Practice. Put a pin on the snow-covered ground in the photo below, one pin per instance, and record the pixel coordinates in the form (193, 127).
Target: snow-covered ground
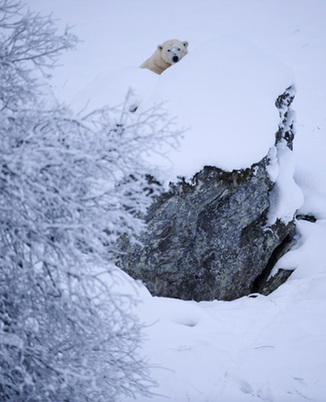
(242, 55)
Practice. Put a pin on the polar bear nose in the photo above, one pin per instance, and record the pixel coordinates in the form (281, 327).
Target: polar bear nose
(175, 59)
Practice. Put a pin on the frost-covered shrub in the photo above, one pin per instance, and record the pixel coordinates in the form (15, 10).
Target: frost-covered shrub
(69, 187)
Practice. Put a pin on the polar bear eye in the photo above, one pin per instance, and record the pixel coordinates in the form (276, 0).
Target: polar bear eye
(168, 50)
(179, 49)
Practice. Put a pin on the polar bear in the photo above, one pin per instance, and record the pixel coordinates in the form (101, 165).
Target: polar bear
(167, 54)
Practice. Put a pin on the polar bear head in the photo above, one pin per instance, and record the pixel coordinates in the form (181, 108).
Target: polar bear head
(173, 50)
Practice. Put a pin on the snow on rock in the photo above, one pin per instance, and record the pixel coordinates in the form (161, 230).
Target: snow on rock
(286, 197)
(224, 92)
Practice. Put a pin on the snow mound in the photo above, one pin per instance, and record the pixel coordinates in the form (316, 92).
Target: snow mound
(286, 196)
(222, 93)
(225, 93)
(111, 89)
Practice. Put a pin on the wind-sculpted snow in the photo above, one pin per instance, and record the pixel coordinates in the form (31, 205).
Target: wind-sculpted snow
(221, 96)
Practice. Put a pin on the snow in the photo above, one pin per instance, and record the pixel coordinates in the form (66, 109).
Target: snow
(240, 78)
(310, 253)
(224, 91)
(112, 88)
(286, 196)
(242, 55)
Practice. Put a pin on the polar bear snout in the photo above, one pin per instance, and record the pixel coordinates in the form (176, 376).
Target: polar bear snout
(175, 59)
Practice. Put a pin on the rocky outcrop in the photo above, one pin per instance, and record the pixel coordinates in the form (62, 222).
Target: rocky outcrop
(209, 238)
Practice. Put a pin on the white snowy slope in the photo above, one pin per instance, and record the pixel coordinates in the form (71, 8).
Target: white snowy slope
(242, 55)
(226, 108)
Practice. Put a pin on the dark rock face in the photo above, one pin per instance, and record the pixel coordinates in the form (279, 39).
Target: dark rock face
(208, 239)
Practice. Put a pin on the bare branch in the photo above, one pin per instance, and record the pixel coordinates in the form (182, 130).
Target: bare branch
(71, 186)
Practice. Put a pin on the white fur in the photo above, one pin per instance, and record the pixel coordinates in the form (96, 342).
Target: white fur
(167, 54)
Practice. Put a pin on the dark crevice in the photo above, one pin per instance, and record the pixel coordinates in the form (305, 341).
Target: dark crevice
(309, 218)
(262, 284)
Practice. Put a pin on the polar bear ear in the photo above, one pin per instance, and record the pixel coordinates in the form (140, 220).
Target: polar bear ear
(160, 47)
(185, 43)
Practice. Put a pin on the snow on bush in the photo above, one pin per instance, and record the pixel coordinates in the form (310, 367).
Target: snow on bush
(70, 186)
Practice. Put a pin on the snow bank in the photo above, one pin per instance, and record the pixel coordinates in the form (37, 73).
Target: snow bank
(313, 184)
(112, 88)
(309, 255)
(286, 197)
(251, 349)
(222, 94)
